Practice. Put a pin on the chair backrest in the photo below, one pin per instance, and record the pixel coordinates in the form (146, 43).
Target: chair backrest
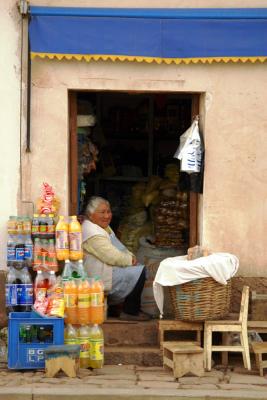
(243, 315)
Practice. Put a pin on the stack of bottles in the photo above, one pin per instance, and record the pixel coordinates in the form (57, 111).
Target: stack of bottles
(43, 235)
(69, 239)
(19, 287)
(19, 242)
(84, 306)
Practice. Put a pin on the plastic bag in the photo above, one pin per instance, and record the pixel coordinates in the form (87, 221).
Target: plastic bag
(190, 149)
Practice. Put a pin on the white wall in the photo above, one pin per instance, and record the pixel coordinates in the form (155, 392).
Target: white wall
(9, 116)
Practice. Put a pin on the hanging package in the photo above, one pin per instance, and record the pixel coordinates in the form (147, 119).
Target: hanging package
(189, 151)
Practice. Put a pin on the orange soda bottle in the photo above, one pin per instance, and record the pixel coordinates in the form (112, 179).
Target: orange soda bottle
(97, 302)
(70, 300)
(83, 303)
(62, 241)
(75, 239)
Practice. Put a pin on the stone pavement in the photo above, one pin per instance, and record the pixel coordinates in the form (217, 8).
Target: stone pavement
(132, 382)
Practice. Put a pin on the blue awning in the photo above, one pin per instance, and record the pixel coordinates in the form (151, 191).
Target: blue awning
(160, 35)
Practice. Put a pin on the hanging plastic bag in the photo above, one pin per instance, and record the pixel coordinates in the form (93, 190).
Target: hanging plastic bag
(189, 151)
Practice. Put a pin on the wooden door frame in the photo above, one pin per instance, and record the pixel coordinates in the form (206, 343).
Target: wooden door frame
(193, 197)
(73, 167)
(73, 154)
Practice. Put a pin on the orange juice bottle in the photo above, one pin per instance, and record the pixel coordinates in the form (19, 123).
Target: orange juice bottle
(75, 238)
(62, 242)
(83, 304)
(70, 300)
(97, 302)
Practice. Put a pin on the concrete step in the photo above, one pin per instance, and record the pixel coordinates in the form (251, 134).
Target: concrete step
(121, 333)
(133, 355)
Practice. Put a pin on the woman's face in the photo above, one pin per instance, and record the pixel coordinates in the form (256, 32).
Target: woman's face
(102, 215)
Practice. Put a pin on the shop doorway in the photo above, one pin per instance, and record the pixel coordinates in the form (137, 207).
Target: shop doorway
(133, 136)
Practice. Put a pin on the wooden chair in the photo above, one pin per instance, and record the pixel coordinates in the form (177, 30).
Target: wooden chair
(239, 326)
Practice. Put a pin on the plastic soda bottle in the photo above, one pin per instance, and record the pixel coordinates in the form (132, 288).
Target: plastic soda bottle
(83, 340)
(50, 226)
(28, 253)
(35, 226)
(40, 286)
(52, 258)
(97, 302)
(37, 259)
(83, 302)
(11, 290)
(70, 335)
(75, 238)
(96, 345)
(70, 300)
(62, 242)
(11, 250)
(24, 289)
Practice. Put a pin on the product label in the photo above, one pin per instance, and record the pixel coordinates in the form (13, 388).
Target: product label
(11, 254)
(75, 241)
(70, 300)
(28, 251)
(51, 229)
(96, 299)
(20, 253)
(25, 294)
(35, 229)
(96, 349)
(83, 301)
(62, 242)
(40, 294)
(71, 341)
(84, 344)
(42, 228)
(11, 294)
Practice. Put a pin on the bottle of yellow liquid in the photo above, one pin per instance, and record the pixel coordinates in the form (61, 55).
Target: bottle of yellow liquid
(70, 335)
(83, 340)
(62, 240)
(96, 346)
(75, 239)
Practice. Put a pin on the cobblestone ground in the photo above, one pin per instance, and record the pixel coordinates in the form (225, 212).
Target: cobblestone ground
(133, 377)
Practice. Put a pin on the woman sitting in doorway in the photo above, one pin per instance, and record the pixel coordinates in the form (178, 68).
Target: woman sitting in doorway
(106, 257)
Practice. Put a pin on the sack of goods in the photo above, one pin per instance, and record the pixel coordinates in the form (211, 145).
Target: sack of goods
(170, 220)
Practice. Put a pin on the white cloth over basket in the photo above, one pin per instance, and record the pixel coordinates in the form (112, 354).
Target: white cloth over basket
(177, 270)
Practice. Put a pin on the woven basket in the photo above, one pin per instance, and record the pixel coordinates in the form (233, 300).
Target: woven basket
(200, 300)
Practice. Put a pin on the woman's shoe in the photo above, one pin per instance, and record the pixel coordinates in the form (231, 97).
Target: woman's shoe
(141, 316)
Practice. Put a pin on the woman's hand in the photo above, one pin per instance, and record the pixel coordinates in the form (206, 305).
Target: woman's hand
(134, 261)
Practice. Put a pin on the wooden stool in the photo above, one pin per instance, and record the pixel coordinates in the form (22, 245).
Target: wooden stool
(259, 349)
(183, 358)
(62, 357)
(173, 325)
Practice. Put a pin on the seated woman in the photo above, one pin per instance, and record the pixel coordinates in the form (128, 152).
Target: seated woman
(106, 257)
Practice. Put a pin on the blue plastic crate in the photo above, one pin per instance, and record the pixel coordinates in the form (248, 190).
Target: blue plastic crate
(28, 335)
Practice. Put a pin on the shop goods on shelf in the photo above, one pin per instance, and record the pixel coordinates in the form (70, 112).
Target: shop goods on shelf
(29, 335)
